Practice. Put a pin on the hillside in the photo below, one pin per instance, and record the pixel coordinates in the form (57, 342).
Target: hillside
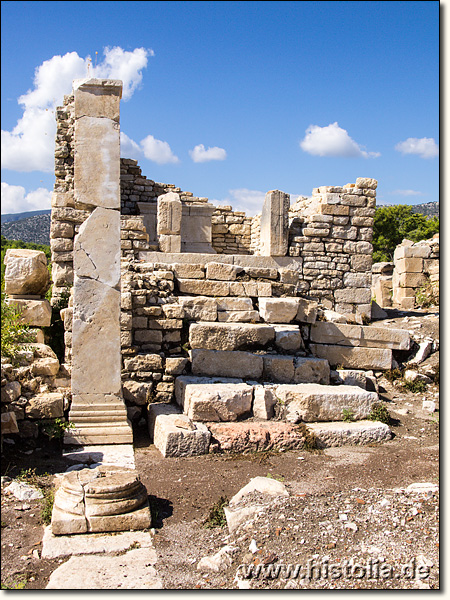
(9, 217)
(429, 209)
(35, 229)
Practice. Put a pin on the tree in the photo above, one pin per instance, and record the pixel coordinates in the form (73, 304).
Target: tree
(392, 224)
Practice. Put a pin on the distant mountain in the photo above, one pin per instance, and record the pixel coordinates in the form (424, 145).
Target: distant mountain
(429, 209)
(35, 229)
(23, 215)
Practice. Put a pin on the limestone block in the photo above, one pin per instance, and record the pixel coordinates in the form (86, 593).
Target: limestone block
(97, 249)
(278, 368)
(230, 336)
(382, 291)
(275, 224)
(96, 338)
(45, 406)
(288, 337)
(97, 162)
(189, 271)
(357, 280)
(37, 313)
(11, 391)
(329, 435)
(365, 182)
(169, 243)
(97, 98)
(307, 310)
(409, 280)
(311, 402)
(419, 251)
(198, 308)
(383, 268)
(238, 316)
(174, 434)
(311, 370)
(278, 310)
(144, 362)
(354, 377)
(409, 265)
(264, 400)
(354, 357)
(137, 392)
(359, 335)
(26, 272)
(47, 367)
(204, 287)
(215, 401)
(9, 423)
(217, 363)
(353, 295)
(169, 215)
(362, 263)
(222, 272)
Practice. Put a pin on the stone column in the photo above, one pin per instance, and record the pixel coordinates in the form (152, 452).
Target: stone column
(275, 224)
(169, 222)
(98, 411)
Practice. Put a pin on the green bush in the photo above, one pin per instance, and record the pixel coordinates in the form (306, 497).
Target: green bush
(14, 332)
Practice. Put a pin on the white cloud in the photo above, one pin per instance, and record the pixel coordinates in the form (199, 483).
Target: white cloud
(250, 201)
(15, 199)
(406, 193)
(201, 154)
(30, 145)
(128, 147)
(423, 147)
(158, 151)
(332, 140)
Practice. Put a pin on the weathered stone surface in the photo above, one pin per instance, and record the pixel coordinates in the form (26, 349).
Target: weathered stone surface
(188, 271)
(97, 249)
(278, 310)
(354, 357)
(177, 435)
(330, 435)
(310, 402)
(97, 98)
(275, 224)
(137, 392)
(144, 362)
(354, 377)
(238, 316)
(9, 423)
(176, 365)
(213, 399)
(222, 272)
(96, 338)
(416, 251)
(234, 304)
(288, 337)
(198, 308)
(36, 313)
(353, 295)
(264, 400)
(48, 367)
(11, 391)
(45, 406)
(169, 215)
(409, 265)
(311, 370)
(358, 335)
(204, 287)
(219, 363)
(278, 368)
(230, 336)
(307, 310)
(97, 162)
(26, 272)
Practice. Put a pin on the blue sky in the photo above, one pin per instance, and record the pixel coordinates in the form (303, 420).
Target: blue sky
(230, 99)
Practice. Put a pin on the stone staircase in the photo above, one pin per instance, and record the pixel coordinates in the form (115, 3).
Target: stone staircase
(254, 388)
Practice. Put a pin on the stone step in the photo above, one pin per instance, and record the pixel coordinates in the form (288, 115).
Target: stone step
(258, 436)
(83, 408)
(267, 367)
(91, 439)
(81, 419)
(230, 336)
(354, 357)
(359, 335)
(105, 432)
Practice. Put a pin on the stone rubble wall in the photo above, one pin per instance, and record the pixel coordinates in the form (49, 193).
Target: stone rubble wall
(231, 231)
(415, 266)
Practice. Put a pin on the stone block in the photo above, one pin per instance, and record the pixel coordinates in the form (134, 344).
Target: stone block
(189, 271)
(360, 335)
(311, 402)
(11, 391)
(329, 435)
(307, 310)
(47, 367)
(234, 304)
(222, 272)
(197, 308)
(264, 400)
(144, 362)
(288, 338)
(419, 251)
(26, 272)
(409, 280)
(204, 287)
(175, 434)
(216, 363)
(169, 215)
(45, 406)
(137, 392)
(169, 243)
(275, 224)
(278, 368)
(230, 336)
(36, 313)
(311, 370)
(278, 310)
(98, 98)
(238, 316)
(97, 162)
(353, 295)
(354, 357)
(409, 265)
(9, 423)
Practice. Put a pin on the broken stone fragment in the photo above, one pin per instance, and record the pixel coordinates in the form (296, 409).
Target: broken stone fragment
(26, 272)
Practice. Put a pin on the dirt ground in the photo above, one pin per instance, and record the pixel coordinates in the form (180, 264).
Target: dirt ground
(362, 482)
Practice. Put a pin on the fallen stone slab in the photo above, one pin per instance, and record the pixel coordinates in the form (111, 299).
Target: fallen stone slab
(221, 363)
(251, 499)
(311, 402)
(120, 455)
(106, 498)
(328, 435)
(256, 436)
(182, 383)
(359, 335)
(23, 491)
(26, 272)
(230, 336)
(134, 570)
(36, 313)
(59, 546)
(354, 357)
